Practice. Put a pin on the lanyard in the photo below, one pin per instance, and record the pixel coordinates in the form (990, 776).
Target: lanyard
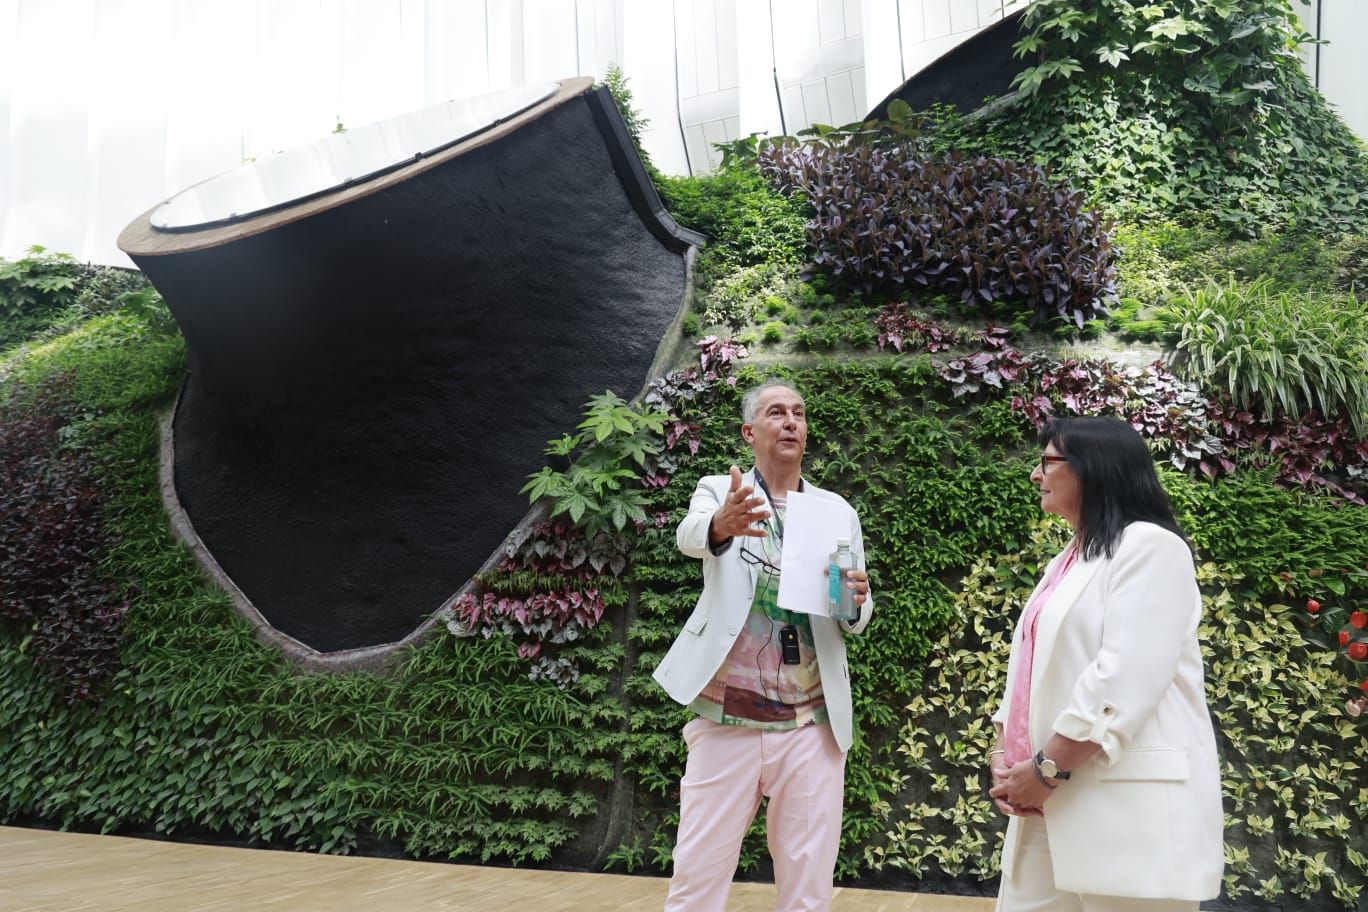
(778, 520)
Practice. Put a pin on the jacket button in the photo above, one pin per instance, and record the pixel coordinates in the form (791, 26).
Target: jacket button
(731, 631)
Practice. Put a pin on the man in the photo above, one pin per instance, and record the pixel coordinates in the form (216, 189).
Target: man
(770, 688)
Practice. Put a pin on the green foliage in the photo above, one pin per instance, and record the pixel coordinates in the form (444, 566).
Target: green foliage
(616, 82)
(932, 485)
(851, 327)
(734, 299)
(600, 491)
(1279, 541)
(32, 290)
(458, 754)
(204, 733)
(1276, 351)
(1161, 260)
(1200, 112)
(749, 223)
(1293, 799)
(146, 304)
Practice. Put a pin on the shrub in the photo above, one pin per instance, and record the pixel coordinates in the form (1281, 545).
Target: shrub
(1192, 430)
(986, 229)
(1199, 111)
(735, 299)
(773, 332)
(616, 83)
(32, 290)
(749, 224)
(50, 545)
(601, 490)
(1275, 351)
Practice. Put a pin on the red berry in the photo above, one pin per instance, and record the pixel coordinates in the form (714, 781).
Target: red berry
(1363, 685)
(1312, 605)
(1344, 638)
(1358, 651)
(1358, 619)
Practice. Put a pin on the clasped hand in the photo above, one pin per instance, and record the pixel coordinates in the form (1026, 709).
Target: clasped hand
(1016, 790)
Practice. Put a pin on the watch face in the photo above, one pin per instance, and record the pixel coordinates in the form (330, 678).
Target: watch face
(1048, 769)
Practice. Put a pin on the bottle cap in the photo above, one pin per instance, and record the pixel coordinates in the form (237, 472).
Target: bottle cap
(842, 543)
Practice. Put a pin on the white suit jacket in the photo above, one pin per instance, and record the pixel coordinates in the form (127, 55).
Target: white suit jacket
(1117, 662)
(728, 589)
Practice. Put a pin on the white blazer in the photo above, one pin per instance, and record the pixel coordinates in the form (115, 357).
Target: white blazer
(1117, 663)
(728, 590)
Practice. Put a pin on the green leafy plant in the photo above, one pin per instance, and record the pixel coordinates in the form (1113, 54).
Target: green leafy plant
(616, 82)
(601, 490)
(1199, 111)
(146, 305)
(1341, 614)
(748, 222)
(1276, 351)
(32, 290)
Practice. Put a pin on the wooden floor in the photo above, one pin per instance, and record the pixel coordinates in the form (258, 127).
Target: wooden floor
(43, 871)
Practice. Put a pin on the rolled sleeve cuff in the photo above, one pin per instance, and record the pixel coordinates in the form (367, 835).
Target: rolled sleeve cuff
(1097, 728)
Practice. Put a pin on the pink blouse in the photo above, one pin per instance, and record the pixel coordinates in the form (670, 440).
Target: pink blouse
(1017, 736)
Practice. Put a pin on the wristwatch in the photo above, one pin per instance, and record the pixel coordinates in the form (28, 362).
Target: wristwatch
(1048, 768)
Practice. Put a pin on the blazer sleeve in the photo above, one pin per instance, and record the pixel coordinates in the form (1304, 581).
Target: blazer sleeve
(692, 534)
(1148, 617)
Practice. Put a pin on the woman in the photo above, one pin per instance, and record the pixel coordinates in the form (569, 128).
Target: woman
(1106, 758)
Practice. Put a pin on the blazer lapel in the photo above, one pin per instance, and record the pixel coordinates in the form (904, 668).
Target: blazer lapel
(1053, 614)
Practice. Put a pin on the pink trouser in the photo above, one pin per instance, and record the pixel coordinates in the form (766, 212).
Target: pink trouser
(802, 771)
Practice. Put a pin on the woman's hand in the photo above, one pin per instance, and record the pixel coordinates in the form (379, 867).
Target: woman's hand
(1016, 790)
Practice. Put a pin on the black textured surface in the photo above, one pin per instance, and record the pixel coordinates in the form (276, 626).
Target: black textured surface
(370, 386)
(982, 67)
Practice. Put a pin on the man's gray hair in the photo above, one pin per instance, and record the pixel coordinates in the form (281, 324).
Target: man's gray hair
(751, 401)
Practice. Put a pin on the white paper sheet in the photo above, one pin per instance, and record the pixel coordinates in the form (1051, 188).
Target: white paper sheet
(811, 526)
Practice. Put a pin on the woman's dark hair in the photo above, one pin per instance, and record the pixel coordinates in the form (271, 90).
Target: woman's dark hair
(1116, 479)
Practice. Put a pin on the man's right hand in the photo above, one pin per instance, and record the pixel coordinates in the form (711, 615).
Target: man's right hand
(738, 513)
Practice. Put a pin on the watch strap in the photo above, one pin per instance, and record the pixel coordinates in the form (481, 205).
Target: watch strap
(1059, 774)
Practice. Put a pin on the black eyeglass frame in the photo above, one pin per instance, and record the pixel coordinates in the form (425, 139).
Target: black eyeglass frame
(759, 560)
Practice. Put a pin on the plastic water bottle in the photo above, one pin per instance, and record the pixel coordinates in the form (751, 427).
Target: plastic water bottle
(840, 597)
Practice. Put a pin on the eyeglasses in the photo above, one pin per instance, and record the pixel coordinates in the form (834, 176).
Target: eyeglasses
(758, 560)
(1046, 459)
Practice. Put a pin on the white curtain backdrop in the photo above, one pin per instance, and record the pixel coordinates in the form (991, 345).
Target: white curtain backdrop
(110, 106)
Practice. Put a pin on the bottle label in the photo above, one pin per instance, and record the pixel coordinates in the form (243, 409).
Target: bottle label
(833, 587)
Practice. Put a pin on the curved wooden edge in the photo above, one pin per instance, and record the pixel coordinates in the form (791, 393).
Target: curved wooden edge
(386, 656)
(380, 658)
(140, 238)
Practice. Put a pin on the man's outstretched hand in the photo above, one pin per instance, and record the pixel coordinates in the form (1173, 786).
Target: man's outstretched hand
(738, 513)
